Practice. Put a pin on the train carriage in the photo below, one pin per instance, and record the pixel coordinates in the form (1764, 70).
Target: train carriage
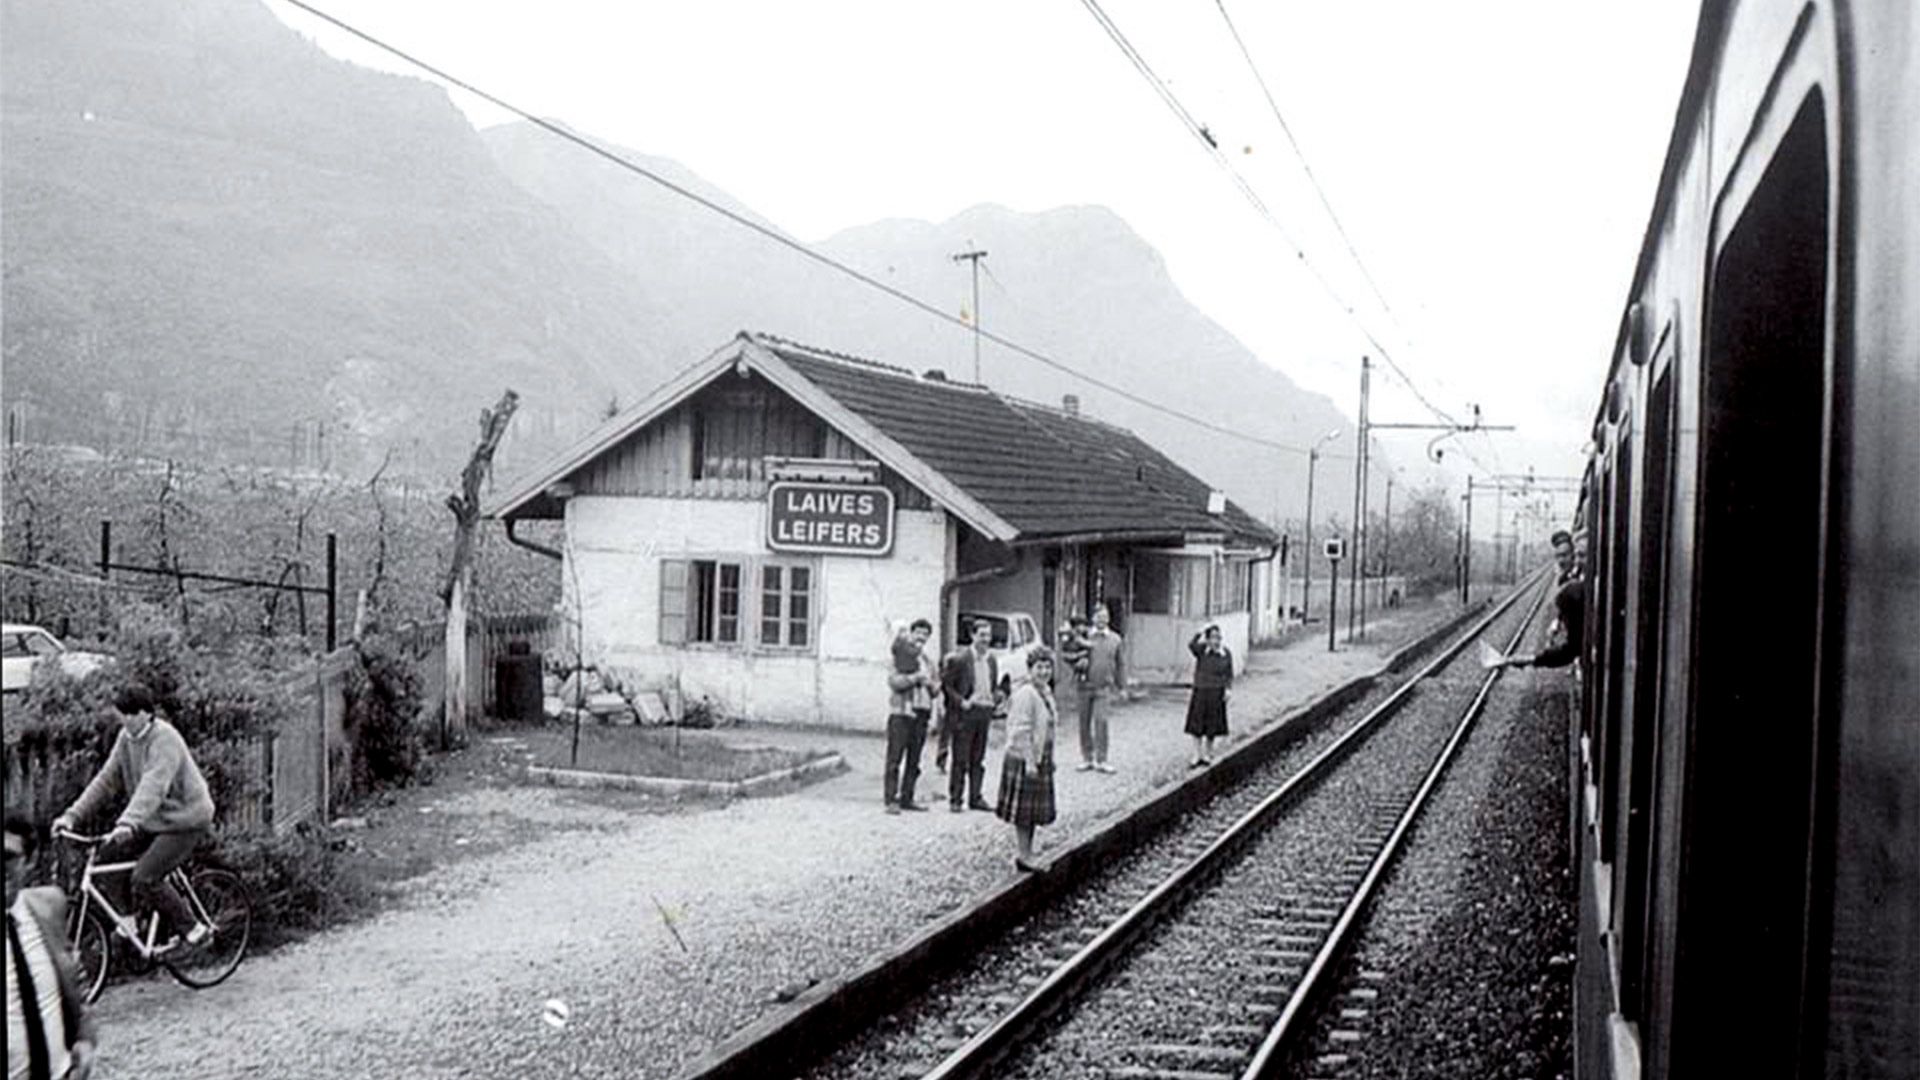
(1747, 753)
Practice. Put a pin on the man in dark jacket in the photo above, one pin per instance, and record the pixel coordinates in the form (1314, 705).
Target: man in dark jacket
(969, 680)
(1567, 637)
(50, 1032)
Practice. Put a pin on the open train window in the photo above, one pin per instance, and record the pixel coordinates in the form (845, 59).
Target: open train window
(1753, 716)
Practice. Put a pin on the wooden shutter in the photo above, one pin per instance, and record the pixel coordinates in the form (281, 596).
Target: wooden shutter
(673, 601)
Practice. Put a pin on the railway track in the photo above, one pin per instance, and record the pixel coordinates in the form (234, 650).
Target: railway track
(1267, 881)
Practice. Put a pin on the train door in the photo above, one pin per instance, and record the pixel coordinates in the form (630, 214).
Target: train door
(1740, 908)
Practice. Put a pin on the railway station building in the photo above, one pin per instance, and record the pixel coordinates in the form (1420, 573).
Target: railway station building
(755, 529)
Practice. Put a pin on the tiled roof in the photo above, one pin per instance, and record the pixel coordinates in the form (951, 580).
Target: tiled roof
(1046, 471)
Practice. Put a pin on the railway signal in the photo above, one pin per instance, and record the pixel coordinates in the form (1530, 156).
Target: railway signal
(1336, 550)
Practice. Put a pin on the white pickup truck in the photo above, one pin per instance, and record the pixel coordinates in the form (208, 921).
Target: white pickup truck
(1014, 636)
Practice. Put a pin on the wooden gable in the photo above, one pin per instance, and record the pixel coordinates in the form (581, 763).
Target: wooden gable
(715, 444)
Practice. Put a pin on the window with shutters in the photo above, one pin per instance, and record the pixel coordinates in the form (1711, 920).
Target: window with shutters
(713, 601)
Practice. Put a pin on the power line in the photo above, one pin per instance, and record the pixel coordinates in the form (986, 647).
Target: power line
(789, 242)
(1212, 149)
(1325, 204)
(1301, 156)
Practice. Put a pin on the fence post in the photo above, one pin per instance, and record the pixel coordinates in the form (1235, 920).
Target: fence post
(332, 588)
(323, 799)
(106, 571)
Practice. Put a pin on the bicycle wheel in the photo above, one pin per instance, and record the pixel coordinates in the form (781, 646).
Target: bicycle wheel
(92, 950)
(219, 899)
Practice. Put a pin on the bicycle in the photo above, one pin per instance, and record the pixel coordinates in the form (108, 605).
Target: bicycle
(217, 898)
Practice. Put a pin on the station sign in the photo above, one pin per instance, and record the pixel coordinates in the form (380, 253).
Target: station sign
(1336, 548)
(831, 519)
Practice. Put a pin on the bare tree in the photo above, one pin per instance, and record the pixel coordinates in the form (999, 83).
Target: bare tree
(459, 582)
(366, 616)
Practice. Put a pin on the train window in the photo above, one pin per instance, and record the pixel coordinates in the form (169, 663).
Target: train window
(1611, 680)
(1752, 720)
(1642, 739)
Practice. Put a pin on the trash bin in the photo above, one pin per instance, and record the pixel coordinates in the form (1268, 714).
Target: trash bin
(517, 685)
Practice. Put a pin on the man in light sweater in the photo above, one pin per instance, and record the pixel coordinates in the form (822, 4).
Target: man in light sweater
(168, 812)
(1104, 679)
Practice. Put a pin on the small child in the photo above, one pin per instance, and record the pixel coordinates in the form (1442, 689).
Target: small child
(906, 660)
(1073, 651)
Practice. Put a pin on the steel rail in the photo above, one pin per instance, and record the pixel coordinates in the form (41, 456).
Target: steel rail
(979, 1054)
(1268, 1058)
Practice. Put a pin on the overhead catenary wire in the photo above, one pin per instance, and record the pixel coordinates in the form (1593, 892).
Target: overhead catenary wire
(1305, 167)
(1339, 227)
(1211, 147)
(782, 239)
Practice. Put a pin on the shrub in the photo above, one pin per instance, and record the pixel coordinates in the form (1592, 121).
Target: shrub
(383, 706)
(704, 713)
(220, 705)
(296, 880)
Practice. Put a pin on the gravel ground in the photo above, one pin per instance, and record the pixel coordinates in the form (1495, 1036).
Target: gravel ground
(662, 934)
(1473, 938)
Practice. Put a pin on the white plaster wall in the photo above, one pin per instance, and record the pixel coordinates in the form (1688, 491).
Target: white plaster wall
(1021, 590)
(1157, 644)
(615, 545)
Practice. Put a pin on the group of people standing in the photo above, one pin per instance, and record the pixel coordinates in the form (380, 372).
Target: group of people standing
(972, 688)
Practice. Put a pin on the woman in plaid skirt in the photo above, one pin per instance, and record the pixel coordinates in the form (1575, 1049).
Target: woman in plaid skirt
(1026, 774)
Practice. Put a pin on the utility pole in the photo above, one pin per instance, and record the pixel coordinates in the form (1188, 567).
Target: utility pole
(1313, 458)
(1499, 546)
(974, 257)
(1434, 452)
(1359, 490)
(1386, 536)
(1466, 550)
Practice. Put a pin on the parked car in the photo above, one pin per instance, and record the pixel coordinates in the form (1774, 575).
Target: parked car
(23, 646)
(1014, 636)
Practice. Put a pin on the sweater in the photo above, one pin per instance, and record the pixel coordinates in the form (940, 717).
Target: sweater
(166, 792)
(1030, 724)
(1103, 662)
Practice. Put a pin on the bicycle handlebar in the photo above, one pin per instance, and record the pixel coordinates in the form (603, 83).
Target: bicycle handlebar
(82, 838)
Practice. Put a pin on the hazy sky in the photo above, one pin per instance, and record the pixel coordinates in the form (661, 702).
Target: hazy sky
(1493, 161)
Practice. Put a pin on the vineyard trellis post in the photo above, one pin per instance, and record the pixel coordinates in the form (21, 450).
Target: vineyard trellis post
(181, 577)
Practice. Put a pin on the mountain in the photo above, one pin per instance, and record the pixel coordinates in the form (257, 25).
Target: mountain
(1074, 284)
(221, 242)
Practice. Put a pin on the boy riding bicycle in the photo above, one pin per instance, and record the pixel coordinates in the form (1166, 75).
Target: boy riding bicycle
(168, 812)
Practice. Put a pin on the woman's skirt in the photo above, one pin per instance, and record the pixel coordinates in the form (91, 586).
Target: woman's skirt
(1025, 800)
(1207, 711)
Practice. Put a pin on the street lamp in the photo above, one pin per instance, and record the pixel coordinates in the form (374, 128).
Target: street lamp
(1313, 458)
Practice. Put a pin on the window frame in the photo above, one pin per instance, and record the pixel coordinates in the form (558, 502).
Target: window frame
(681, 596)
(785, 618)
